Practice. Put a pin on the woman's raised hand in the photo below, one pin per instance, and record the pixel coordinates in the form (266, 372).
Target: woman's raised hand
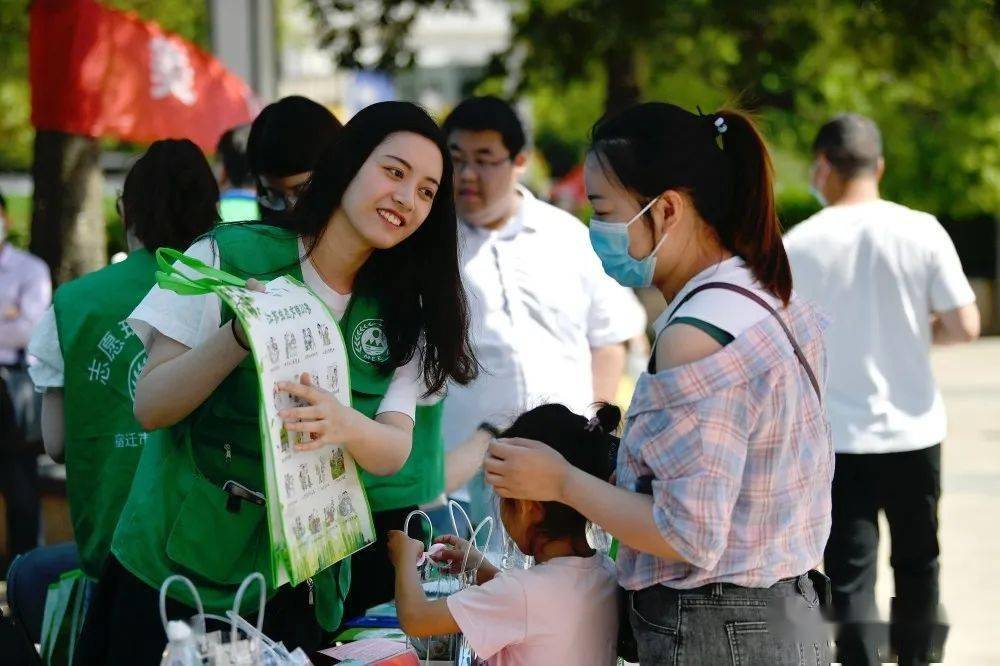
(325, 420)
(525, 469)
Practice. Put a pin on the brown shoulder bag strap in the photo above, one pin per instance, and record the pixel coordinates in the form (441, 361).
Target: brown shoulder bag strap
(767, 306)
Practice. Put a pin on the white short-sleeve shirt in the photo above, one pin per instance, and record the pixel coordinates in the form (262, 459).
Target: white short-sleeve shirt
(190, 320)
(539, 300)
(730, 311)
(879, 270)
(47, 369)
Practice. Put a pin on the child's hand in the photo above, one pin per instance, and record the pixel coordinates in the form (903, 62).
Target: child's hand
(404, 551)
(325, 419)
(455, 553)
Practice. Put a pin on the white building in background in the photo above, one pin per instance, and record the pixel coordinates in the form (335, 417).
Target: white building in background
(451, 49)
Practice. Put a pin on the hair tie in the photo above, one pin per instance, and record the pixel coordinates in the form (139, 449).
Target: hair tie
(720, 125)
(593, 424)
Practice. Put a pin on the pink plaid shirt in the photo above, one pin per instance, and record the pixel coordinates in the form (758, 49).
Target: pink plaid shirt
(739, 447)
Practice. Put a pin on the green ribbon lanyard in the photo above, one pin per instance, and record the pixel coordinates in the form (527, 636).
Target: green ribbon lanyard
(170, 277)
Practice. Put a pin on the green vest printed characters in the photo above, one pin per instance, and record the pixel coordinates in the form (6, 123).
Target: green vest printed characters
(102, 358)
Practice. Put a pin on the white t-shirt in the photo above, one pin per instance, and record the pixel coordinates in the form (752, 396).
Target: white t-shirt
(564, 611)
(48, 369)
(538, 302)
(190, 320)
(727, 310)
(879, 270)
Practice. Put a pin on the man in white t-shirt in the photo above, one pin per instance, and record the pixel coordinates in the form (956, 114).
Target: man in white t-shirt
(892, 283)
(547, 324)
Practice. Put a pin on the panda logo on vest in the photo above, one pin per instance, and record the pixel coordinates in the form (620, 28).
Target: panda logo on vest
(368, 341)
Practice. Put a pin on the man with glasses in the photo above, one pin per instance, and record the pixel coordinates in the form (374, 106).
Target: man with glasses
(547, 324)
(285, 143)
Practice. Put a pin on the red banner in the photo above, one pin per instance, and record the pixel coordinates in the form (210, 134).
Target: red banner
(96, 71)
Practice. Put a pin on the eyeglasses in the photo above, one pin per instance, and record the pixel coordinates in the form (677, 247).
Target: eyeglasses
(279, 200)
(479, 164)
(120, 204)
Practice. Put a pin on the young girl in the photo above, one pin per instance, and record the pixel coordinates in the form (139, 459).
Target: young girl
(375, 238)
(564, 609)
(722, 504)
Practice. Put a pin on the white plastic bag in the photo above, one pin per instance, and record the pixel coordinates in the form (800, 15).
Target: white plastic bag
(253, 649)
(440, 582)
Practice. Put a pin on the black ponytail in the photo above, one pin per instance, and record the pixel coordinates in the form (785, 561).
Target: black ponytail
(720, 160)
(588, 445)
(755, 231)
(170, 195)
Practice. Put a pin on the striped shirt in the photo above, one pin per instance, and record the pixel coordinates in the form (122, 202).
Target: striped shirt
(740, 451)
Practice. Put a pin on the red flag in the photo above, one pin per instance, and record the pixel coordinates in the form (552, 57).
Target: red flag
(96, 71)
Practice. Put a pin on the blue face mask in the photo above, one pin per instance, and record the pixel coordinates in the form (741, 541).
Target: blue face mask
(610, 241)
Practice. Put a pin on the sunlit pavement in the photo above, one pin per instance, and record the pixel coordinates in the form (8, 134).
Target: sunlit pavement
(969, 377)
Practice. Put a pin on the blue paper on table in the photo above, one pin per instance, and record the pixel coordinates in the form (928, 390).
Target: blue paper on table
(366, 622)
(381, 616)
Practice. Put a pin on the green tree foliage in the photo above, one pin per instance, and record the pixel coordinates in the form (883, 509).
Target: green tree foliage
(928, 72)
(188, 19)
(371, 33)
(15, 123)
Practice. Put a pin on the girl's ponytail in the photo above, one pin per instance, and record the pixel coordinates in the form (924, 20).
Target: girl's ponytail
(756, 231)
(602, 445)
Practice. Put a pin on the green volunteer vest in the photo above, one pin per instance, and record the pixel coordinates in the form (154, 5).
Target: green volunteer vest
(422, 477)
(102, 358)
(421, 480)
(176, 520)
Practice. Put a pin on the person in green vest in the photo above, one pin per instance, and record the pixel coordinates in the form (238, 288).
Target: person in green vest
(237, 194)
(374, 237)
(87, 358)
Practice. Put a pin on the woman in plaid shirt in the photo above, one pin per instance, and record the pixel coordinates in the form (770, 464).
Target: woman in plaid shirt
(722, 496)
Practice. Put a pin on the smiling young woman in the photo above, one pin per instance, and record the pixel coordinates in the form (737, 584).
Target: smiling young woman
(375, 236)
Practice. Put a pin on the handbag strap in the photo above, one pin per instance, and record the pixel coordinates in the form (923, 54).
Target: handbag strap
(767, 306)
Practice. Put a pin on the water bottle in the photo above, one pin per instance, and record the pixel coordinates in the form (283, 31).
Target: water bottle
(181, 650)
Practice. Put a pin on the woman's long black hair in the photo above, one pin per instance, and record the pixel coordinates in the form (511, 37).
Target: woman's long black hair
(417, 282)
